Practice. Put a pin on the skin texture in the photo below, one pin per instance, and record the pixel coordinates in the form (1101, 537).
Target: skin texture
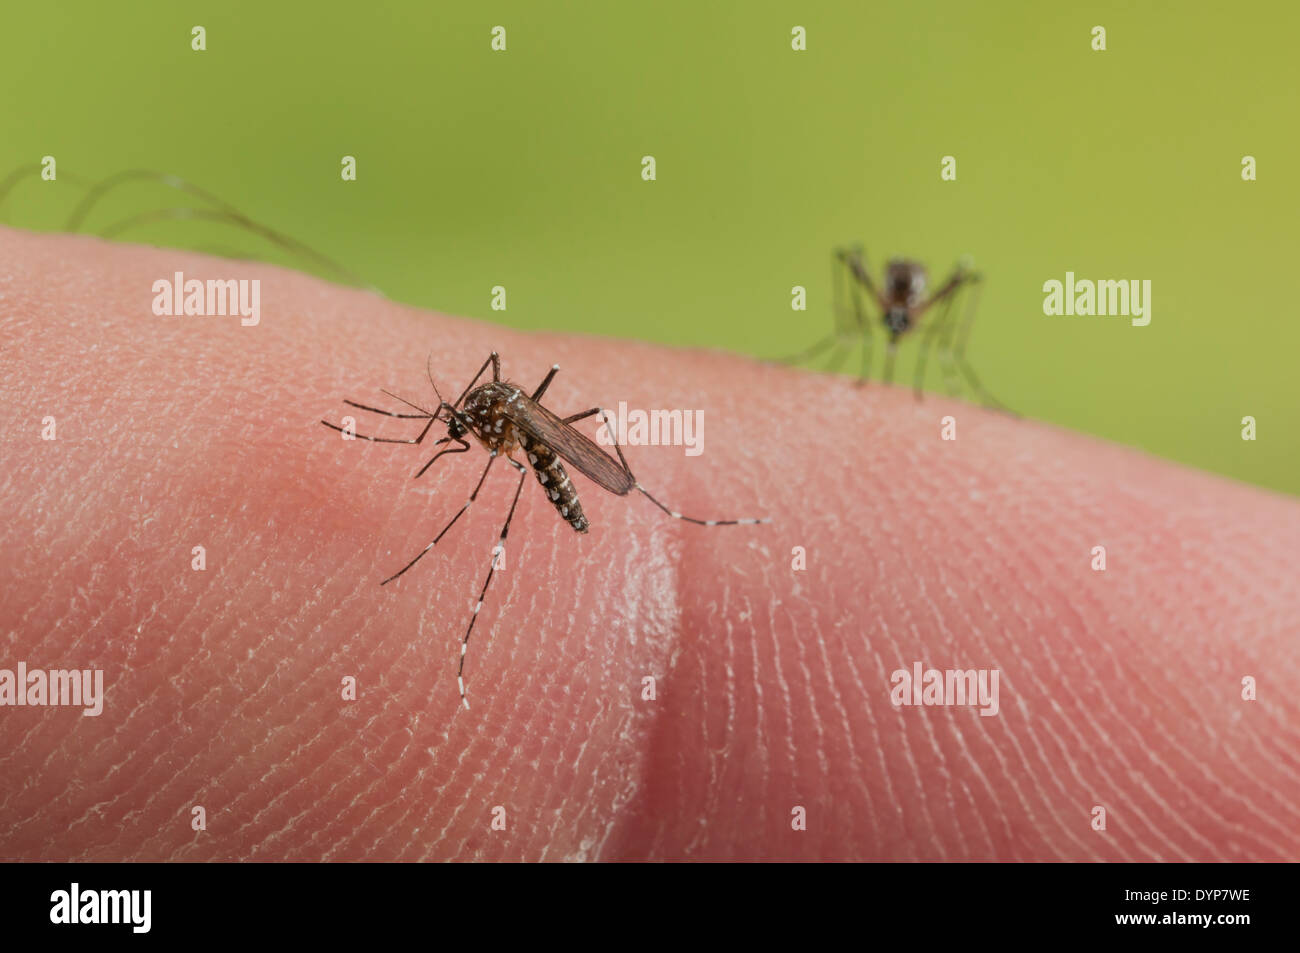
(1119, 688)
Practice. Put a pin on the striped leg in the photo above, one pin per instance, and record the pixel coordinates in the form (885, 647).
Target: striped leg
(492, 569)
(493, 361)
(387, 413)
(646, 493)
(546, 382)
(459, 513)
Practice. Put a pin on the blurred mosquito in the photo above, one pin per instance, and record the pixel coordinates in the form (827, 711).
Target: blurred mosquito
(504, 418)
(902, 302)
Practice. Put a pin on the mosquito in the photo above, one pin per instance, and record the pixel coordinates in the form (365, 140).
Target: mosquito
(504, 418)
(902, 302)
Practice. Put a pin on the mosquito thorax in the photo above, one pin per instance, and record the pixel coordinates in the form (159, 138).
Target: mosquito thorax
(904, 282)
(485, 408)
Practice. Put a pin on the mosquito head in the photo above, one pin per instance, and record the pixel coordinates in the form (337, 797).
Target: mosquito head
(904, 282)
(448, 415)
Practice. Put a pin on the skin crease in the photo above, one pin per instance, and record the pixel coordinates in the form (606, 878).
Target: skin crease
(1119, 688)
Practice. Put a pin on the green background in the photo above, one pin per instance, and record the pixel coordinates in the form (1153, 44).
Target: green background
(522, 169)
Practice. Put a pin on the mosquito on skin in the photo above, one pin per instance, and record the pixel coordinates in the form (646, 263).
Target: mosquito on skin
(504, 418)
(902, 302)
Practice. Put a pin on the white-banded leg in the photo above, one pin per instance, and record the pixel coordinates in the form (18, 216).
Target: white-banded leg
(494, 360)
(464, 446)
(423, 415)
(546, 382)
(646, 493)
(492, 456)
(492, 569)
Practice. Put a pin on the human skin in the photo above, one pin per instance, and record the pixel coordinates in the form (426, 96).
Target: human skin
(1120, 689)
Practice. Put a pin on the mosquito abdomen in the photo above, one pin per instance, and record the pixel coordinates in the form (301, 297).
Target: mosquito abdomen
(555, 481)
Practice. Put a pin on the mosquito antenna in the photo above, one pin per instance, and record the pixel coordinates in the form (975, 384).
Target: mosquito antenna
(428, 369)
(406, 402)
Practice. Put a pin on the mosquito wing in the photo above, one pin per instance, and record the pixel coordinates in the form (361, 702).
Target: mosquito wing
(570, 444)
